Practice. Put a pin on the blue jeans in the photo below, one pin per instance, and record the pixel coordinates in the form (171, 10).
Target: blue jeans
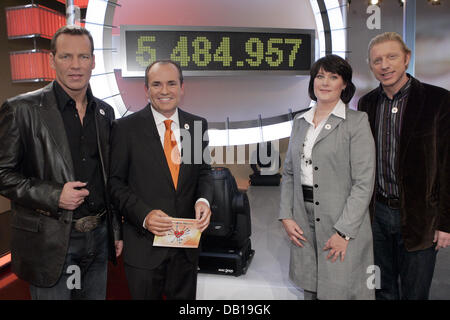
(88, 253)
(414, 269)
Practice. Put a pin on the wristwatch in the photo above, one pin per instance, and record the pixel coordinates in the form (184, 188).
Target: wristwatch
(343, 235)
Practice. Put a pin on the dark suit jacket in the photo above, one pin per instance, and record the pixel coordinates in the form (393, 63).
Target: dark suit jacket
(423, 162)
(35, 163)
(141, 181)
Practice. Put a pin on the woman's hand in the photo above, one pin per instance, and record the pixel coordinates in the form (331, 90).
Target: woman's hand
(294, 232)
(337, 246)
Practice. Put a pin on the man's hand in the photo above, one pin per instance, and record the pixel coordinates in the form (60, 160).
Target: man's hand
(203, 215)
(337, 246)
(119, 246)
(295, 233)
(442, 239)
(71, 198)
(158, 222)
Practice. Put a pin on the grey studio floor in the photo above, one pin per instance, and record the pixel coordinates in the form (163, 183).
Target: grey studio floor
(267, 276)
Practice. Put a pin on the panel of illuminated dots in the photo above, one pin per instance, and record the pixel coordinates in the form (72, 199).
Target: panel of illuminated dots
(221, 50)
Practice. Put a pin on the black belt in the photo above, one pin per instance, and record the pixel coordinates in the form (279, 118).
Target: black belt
(89, 223)
(391, 202)
(308, 194)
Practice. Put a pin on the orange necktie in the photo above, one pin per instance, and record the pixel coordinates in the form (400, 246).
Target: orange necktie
(171, 151)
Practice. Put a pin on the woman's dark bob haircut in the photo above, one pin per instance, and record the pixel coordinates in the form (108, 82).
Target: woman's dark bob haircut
(334, 64)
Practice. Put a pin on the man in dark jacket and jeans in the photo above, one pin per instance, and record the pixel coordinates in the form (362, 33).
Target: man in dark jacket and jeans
(410, 122)
(54, 161)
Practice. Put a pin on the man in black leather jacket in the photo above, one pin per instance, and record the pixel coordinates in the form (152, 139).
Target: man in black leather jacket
(54, 161)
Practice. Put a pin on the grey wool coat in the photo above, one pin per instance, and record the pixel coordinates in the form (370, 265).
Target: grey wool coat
(344, 173)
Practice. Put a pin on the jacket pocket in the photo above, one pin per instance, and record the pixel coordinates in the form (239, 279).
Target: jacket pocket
(25, 222)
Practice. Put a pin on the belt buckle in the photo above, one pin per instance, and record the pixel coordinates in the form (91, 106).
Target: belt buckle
(393, 203)
(86, 224)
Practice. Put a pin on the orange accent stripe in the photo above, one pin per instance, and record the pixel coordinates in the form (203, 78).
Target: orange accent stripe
(7, 280)
(5, 260)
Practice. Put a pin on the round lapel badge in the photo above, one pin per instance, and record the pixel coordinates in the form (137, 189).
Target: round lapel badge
(394, 110)
(102, 112)
(186, 126)
(328, 126)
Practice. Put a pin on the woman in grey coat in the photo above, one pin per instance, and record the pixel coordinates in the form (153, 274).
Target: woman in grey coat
(328, 179)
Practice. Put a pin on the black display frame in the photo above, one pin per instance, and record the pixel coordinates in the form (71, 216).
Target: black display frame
(308, 35)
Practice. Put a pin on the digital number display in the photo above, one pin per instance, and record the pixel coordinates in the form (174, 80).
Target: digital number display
(217, 52)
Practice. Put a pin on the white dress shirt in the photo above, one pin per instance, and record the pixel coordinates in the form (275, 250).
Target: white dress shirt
(310, 139)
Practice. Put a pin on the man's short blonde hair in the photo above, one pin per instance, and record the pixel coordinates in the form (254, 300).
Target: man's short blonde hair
(387, 36)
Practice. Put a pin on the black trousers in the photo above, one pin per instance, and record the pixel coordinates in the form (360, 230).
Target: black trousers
(414, 269)
(174, 279)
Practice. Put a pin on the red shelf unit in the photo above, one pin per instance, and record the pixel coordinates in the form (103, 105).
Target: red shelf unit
(33, 21)
(31, 66)
(79, 3)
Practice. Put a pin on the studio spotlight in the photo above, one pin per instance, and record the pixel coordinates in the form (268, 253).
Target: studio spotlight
(374, 2)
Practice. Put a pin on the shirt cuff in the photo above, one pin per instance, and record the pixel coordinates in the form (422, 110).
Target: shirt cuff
(203, 200)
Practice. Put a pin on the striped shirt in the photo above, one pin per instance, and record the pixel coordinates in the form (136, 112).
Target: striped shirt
(389, 121)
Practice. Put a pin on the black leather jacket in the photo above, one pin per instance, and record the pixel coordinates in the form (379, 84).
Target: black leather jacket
(35, 163)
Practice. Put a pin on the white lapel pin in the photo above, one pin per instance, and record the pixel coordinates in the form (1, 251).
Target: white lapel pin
(102, 112)
(394, 110)
(328, 126)
(186, 126)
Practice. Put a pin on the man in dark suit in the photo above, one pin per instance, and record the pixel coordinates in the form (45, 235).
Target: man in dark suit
(149, 185)
(410, 122)
(54, 159)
